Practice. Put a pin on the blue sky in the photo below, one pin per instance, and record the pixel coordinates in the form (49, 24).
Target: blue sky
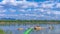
(31, 0)
(30, 10)
(1, 0)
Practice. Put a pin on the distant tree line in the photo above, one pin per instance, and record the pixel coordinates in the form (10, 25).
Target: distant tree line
(31, 21)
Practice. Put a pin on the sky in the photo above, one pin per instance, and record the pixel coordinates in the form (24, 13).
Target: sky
(30, 9)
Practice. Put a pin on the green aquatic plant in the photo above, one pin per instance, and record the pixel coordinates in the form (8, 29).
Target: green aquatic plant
(2, 32)
(10, 32)
(28, 31)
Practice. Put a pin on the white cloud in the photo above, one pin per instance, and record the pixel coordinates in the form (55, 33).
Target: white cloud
(12, 15)
(33, 4)
(30, 14)
(4, 2)
(44, 7)
(22, 10)
(58, 5)
(9, 15)
(41, 10)
(48, 12)
(36, 15)
(56, 12)
(41, 15)
(2, 10)
(1, 6)
(12, 1)
(47, 5)
(2, 15)
(12, 10)
(7, 1)
(14, 4)
(24, 6)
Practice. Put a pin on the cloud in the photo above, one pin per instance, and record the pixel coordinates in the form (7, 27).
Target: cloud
(12, 10)
(12, 15)
(2, 10)
(48, 12)
(2, 15)
(3, 2)
(56, 12)
(31, 9)
(1, 6)
(58, 5)
(47, 5)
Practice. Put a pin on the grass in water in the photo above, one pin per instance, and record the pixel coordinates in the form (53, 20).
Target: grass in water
(2, 32)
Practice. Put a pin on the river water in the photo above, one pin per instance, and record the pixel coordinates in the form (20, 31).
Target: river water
(13, 29)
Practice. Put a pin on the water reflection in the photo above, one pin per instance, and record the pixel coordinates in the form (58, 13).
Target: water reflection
(12, 29)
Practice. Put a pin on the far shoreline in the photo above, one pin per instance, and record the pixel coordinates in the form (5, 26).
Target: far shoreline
(29, 22)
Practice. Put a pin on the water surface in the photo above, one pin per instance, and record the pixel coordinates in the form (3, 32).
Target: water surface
(13, 29)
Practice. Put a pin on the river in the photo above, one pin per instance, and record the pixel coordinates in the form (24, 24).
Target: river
(13, 29)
